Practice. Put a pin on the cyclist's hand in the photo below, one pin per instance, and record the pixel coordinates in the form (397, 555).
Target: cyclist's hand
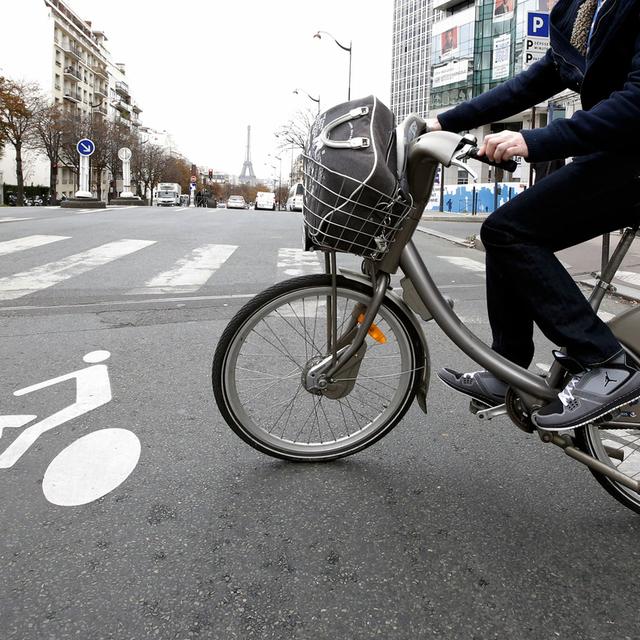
(434, 125)
(503, 146)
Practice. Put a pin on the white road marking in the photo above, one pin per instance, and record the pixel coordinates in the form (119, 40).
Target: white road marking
(13, 219)
(93, 389)
(296, 262)
(190, 273)
(629, 276)
(465, 263)
(14, 422)
(606, 316)
(47, 275)
(91, 467)
(182, 209)
(28, 242)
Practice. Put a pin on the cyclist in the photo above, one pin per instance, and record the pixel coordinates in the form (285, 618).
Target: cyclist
(595, 49)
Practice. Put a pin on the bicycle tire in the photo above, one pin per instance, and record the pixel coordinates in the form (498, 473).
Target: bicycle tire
(591, 439)
(226, 357)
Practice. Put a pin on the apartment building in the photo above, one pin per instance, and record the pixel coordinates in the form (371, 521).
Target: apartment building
(71, 62)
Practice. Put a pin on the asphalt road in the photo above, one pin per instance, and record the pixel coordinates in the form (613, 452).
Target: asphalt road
(447, 528)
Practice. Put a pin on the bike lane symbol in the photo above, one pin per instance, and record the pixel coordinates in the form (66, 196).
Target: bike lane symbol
(93, 465)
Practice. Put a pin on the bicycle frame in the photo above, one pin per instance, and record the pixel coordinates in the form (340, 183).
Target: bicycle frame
(423, 154)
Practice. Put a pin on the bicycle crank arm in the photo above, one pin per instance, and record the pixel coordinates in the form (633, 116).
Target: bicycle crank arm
(489, 413)
(566, 444)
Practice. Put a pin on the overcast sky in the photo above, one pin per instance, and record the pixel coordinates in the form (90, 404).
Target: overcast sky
(205, 69)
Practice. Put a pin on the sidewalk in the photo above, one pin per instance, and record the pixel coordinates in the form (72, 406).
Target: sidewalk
(581, 261)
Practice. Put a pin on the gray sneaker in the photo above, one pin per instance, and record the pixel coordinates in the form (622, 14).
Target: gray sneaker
(480, 385)
(591, 394)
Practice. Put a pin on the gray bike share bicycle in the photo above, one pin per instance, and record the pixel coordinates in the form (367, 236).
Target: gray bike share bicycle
(319, 367)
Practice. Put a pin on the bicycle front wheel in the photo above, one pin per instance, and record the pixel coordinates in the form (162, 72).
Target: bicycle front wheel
(260, 361)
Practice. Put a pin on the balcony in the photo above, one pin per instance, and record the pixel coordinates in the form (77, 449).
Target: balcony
(72, 96)
(136, 108)
(101, 109)
(99, 92)
(100, 71)
(122, 88)
(73, 73)
(122, 106)
(72, 51)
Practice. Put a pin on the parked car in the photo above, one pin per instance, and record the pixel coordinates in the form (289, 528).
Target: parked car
(237, 202)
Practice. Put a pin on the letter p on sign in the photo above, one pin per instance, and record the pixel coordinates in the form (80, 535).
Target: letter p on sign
(537, 24)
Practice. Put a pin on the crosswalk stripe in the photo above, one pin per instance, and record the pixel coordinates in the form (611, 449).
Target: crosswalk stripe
(47, 275)
(465, 263)
(296, 262)
(628, 276)
(28, 242)
(191, 272)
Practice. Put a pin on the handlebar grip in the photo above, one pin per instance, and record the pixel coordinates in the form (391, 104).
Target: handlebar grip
(507, 165)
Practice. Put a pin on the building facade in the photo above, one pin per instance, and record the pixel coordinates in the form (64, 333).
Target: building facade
(474, 45)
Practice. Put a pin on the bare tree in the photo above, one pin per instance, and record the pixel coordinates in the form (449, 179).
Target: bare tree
(297, 131)
(148, 164)
(49, 124)
(75, 126)
(20, 104)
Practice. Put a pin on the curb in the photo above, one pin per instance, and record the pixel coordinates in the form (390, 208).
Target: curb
(621, 291)
(461, 217)
(468, 244)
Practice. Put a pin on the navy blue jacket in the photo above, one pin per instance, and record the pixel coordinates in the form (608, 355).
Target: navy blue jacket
(608, 81)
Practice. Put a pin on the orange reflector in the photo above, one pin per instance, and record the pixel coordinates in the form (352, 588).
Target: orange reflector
(374, 332)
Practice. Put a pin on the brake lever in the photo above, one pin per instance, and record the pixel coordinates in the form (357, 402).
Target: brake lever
(462, 165)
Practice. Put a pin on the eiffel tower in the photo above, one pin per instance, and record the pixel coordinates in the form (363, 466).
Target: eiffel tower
(246, 175)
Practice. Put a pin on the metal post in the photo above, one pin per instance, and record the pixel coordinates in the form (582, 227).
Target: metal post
(442, 188)
(533, 126)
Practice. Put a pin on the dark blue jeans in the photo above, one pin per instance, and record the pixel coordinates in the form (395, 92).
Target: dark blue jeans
(526, 282)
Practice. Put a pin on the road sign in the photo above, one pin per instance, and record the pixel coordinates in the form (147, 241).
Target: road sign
(536, 43)
(193, 179)
(85, 147)
(537, 24)
(124, 154)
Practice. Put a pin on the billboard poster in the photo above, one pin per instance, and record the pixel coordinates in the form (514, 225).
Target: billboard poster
(503, 10)
(501, 57)
(450, 72)
(449, 42)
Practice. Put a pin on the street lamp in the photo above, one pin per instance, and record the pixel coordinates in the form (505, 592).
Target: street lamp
(349, 49)
(279, 159)
(316, 100)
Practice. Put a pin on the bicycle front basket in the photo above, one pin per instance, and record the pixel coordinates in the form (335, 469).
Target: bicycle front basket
(352, 199)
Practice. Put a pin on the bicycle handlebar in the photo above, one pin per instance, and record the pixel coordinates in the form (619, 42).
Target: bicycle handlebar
(506, 165)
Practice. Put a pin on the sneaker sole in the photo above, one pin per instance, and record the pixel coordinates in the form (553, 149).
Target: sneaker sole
(483, 399)
(585, 421)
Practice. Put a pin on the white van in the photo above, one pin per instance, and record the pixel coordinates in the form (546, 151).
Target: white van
(168, 194)
(266, 200)
(294, 201)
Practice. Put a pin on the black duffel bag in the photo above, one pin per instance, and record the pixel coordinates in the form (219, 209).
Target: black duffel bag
(352, 199)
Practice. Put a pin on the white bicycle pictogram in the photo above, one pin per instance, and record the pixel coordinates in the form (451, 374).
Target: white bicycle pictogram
(94, 464)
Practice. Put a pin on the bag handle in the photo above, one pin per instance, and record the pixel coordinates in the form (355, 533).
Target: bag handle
(352, 143)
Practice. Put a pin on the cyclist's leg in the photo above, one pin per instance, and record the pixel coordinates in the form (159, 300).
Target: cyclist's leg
(527, 282)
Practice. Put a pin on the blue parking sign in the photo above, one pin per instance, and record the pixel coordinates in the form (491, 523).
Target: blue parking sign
(537, 24)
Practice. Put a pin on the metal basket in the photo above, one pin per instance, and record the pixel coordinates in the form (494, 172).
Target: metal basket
(343, 214)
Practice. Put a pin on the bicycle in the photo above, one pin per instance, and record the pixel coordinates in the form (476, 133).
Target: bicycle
(322, 366)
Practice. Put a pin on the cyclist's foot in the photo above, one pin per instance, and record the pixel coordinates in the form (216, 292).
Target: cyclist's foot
(591, 394)
(480, 385)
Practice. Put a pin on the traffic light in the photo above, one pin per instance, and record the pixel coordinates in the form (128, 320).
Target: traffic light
(210, 174)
